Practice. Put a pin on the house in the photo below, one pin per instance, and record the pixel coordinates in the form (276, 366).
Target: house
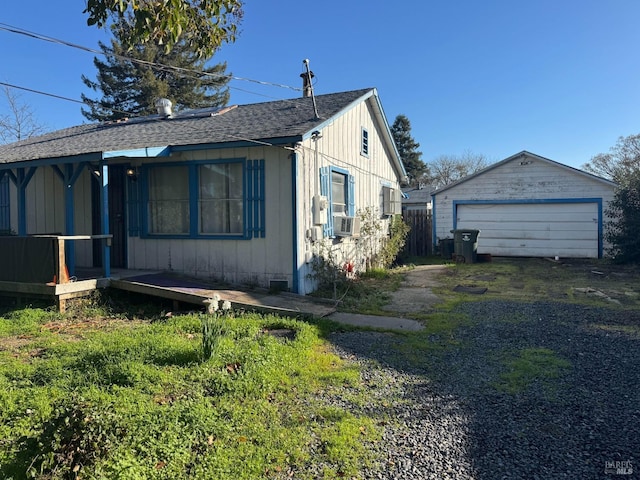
(247, 194)
(527, 205)
(416, 199)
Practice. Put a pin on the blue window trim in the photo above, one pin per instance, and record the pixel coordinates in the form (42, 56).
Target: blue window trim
(534, 201)
(327, 191)
(253, 200)
(364, 142)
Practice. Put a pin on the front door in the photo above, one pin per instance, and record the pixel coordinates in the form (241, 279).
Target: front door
(117, 205)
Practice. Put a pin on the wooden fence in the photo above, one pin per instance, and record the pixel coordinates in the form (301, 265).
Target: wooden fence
(419, 241)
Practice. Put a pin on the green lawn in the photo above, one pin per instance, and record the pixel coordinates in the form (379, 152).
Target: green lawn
(112, 397)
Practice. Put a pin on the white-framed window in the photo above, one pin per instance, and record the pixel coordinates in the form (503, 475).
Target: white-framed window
(338, 185)
(339, 193)
(364, 142)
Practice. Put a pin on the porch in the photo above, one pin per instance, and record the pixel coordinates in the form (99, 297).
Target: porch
(35, 267)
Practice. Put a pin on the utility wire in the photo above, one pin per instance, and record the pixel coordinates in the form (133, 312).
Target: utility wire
(53, 95)
(38, 36)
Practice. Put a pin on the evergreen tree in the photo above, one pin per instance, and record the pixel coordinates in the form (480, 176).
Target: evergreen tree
(132, 80)
(408, 149)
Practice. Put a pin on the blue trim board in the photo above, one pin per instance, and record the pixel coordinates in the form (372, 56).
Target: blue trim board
(433, 222)
(531, 201)
(294, 223)
(145, 152)
(104, 196)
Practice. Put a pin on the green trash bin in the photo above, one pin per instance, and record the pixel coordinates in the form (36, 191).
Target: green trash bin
(465, 245)
(446, 248)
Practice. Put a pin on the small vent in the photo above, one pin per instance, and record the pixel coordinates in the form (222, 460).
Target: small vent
(346, 226)
(164, 107)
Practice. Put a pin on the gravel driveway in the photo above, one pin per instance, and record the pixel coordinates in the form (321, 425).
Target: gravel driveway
(444, 414)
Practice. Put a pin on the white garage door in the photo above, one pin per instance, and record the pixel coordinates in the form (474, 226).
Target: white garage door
(533, 230)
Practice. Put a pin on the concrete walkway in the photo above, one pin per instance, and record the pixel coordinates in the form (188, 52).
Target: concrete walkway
(376, 321)
(413, 296)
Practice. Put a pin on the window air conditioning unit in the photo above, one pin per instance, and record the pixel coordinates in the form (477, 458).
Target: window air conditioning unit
(346, 226)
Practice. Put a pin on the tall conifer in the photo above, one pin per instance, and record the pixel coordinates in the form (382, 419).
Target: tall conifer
(131, 81)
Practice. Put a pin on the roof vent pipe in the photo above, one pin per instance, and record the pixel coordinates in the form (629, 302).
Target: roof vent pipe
(307, 87)
(164, 107)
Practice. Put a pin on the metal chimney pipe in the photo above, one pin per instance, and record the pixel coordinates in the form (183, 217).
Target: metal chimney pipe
(307, 89)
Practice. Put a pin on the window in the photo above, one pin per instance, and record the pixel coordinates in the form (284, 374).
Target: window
(339, 193)
(339, 187)
(364, 149)
(220, 199)
(169, 200)
(204, 199)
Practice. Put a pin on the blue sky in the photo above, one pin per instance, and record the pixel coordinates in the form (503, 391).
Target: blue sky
(558, 78)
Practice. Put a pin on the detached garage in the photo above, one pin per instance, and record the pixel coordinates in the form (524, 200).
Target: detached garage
(529, 206)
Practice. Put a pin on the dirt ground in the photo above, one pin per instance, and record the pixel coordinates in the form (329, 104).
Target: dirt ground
(415, 294)
(527, 279)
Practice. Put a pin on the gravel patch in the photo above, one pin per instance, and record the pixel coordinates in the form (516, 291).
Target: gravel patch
(444, 413)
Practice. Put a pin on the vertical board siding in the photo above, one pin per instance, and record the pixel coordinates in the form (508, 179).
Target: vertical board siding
(265, 253)
(524, 179)
(340, 146)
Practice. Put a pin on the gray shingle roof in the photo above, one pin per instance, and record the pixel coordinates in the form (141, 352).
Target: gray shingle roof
(268, 121)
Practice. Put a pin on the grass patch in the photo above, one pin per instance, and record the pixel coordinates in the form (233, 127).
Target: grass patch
(135, 399)
(532, 279)
(366, 294)
(529, 367)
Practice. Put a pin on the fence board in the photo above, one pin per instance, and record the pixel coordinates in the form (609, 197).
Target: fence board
(419, 241)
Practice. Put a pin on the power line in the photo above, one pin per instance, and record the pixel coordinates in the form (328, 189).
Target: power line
(38, 36)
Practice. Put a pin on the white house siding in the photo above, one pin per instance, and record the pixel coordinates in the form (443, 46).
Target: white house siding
(528, 207)
(45, 209)
(339, 146)
(256, 261)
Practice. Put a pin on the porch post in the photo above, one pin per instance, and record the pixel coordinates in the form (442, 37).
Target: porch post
(22, 203)
(104, 207)
(21, 180)
(69, 220)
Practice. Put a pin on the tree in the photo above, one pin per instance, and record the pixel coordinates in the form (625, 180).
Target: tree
(208, 23)
(132, 81)
(620, 163)
(623, 231)
(19, 122)
(447, 169)
(408, 149)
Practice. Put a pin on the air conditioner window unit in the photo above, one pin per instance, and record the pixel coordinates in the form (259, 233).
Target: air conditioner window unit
(346, 226)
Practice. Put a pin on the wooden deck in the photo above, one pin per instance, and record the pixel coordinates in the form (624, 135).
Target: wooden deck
(195, 291)
(170, 286)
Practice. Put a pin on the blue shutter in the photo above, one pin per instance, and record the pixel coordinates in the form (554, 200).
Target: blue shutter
(259, 207)
(255, 200)
(325, 191)
(351, 196)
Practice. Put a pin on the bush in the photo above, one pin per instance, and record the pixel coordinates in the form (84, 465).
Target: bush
(623, 232)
